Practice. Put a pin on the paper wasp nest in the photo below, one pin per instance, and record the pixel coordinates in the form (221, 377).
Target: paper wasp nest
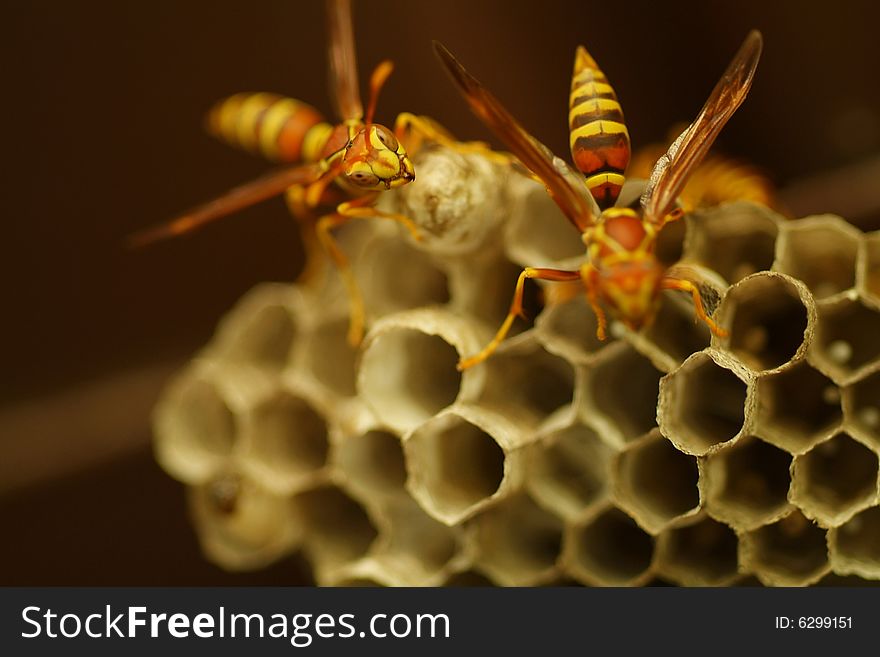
(660, 457)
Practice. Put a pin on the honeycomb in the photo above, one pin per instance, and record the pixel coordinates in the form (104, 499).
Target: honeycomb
(668, 456)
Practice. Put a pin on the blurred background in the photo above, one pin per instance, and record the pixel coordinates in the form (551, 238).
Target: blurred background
(103, 111)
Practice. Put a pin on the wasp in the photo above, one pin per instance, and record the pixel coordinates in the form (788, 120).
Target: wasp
(622, 273)
(357, 156)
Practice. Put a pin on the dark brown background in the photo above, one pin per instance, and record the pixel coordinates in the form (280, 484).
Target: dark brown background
(102, 110)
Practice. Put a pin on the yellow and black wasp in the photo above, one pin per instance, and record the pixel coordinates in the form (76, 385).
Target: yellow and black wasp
(355, 159)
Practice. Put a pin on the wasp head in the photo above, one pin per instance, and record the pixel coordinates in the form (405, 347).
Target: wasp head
(375, 160)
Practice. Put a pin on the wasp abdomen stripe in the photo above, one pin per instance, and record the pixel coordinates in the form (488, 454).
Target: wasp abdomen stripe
(270, 125)
(599, 140)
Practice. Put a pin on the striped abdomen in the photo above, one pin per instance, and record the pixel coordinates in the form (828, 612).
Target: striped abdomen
(600, 145)
(278, 128)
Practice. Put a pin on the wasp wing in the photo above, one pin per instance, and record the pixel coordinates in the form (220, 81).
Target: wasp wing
(343, 62)
(235, 199)
(549, 169)
(672, 170)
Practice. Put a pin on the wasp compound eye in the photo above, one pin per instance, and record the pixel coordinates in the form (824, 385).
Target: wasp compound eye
(384, 135)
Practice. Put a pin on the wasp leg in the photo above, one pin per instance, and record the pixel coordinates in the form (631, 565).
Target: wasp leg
(413, 130)
(345, 212)
(687, 286)
(306, 219)
(516, 309)
(587, 274)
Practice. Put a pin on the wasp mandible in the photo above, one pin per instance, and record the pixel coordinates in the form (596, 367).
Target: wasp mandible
(623, 273)
(362, 158)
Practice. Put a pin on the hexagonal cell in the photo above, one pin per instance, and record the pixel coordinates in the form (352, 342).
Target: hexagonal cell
(328, 357)
(569, 330)
(768, 316)
(790, 552)
(373, 463)
(337, 530)
(284, 442)
(609, 549)
(537, 234)
(862, 404)
(674, 332)
(820, 251)
(416, 547)
(408, 366)
(669, 247)
(195, 429)
(656, 483)
(527, 382)
(516, 542)
(701, 554)
(702, 405)
(395, 276)
(260, 330)
(456, 465)
(834, 480)
(797, 408)
(242, 526)
(855, 546)
(569, 470)
(736, 240)
(746, 485)
(869, 268)
(846, 339)
(622, 395)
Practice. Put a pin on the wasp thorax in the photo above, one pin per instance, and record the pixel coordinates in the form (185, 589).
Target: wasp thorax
(631, 289)
(375, 160)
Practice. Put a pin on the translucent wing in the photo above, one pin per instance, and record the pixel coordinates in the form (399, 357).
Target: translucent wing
(343, 61)
(672, 170)
(549, 169)
(235, 199)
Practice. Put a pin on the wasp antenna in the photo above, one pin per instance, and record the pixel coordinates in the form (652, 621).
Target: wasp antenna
(377, 81)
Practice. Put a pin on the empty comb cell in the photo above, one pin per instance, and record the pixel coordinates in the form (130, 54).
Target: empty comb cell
(861, 402)
(621, 395)
(408, 366)
(372, 464)
(609, 549)
(798, 408)
(846, 344)
(461, 460)
(820, 251)
(835, 480)
(702, 405)
(195, 429)
(769, 317)
(855, 545)
(337, 530)
(537, 234)
(746, 485)
(700, 554)
(262, 328)
(736, 239)
(656, 484)
(284, 443)
(569, 470)
(789, 552)
(568, 329)
(518, 542)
